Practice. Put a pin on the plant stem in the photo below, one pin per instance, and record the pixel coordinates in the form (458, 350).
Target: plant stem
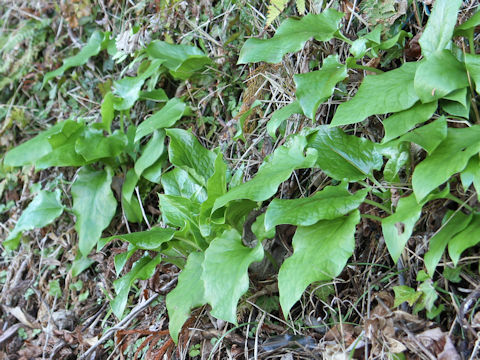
(371, 217)
(380, 206)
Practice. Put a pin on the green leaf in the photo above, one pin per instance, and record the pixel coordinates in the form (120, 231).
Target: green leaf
(276, 169)
(143, 269)
(259, 229)
(320, 253)
(182, 60)
(152, 239)
(327, 204)
(54, 288)
(93, 205)
(62, 143)
(313, 88)
(401, 122)
(92, 48)
(439, 29)
(187, 153)
(464, 239)
(429, 295)
(107, 111)
(398, 228)
(468, 26)
(344, 157)
(452, 224)
(225, 273)
(166, 117)
(93, 146)
(130, 203)
(291, 36)
(188, 294)
(151, 152)
(281, 115)
(179, 183)
(398, 154)
(450, 157)
(405, 293)
(472, 63)
(43, 210)
(121, 259)
(128, 89)
(391, 91)
(471, 174)
(80, 264)
(428, 136)
(432, 82)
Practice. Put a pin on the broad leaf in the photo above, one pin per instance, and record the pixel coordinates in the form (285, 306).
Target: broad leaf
(392, 91)
(187, 153)
(275, 170)
(280, 115)
(291, 36)
(428, 136)
(401, 122)
(344, 157)
(398, 228)
(182, 60)
(130, 204)
(314, 87)
(440, 26)
(465, 239)
(405, 293)
(320, 252)
(188, 294)
(225, 273)
(143, 269)
(432, 82)
(93, 145)
(43, 210)
(92, 48)
(93, 205)
(472, 63)
(330, 203)
(166, 117)
(152, 239)
(178, 182)
(468, 26)
(471, 174)
(151, 152)
(176, 210)
(452, 224)
(449, 158)
(107, 111)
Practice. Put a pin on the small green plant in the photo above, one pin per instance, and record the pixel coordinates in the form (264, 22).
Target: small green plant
(205, 208)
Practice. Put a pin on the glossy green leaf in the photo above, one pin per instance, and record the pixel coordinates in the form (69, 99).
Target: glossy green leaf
(471, 174)
(107, 111)
(449, 158)
(439, 29)
(398, 228)
(43, 210)
(33, 149)
(259, 229)
(121, 259)
(130, 205)
(166, 117)
(391, 91)
(342, 156)
(188, 294)
(182, 60)
(80, 264)
(320, 252)
(432, 82)
(428, 136)
(452, 224)
(128, 88)
(472, 63)
(291, 36)
(93, 145)
(158, 95)
(154, 172)
(405, 293)
(464, 239)
(468, 26)
(276, 169)
(152, 239)
(327, 204)
(401, 122)
(225, 273)
(457, 103)
(429, 295)
(92, 48)
(187, 153)
(62, 144)
(93, 205)
(142, 269)
(398, 154)
(280, 115)
(179, 183)
(314, 87)
(151, 152)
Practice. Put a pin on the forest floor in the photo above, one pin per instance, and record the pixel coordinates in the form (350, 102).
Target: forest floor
(47, 313)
